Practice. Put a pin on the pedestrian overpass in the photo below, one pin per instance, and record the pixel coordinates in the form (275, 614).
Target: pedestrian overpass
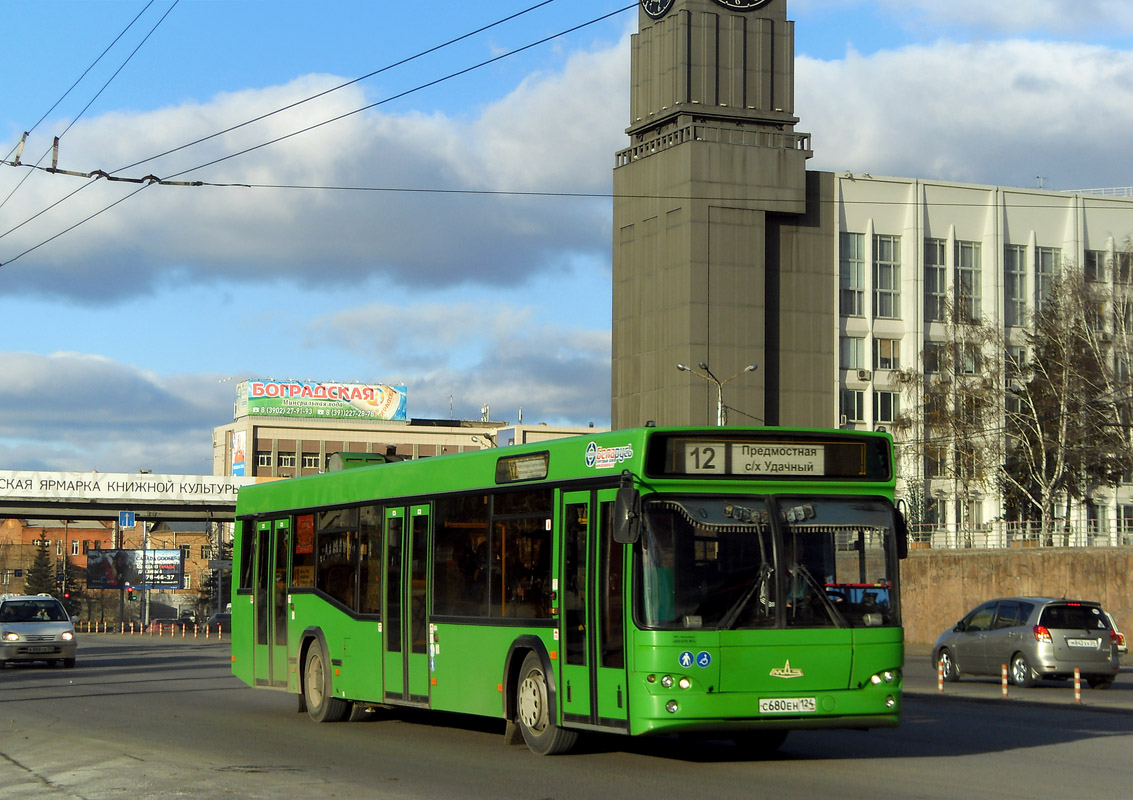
(108, 495)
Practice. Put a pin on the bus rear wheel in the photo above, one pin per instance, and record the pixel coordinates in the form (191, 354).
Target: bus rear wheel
(533, 708)
(322, 705)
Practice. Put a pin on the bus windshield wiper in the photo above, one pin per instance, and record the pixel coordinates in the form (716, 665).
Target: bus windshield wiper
(820, 592)
(729, 620)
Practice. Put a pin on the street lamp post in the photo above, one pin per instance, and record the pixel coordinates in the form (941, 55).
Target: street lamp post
(721, 415)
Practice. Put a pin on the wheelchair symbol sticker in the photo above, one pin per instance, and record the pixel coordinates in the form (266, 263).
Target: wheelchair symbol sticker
(702, 659)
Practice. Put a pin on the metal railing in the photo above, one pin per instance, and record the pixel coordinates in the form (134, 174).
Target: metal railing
(1002, 534)
(1109, 191)
(700, 131)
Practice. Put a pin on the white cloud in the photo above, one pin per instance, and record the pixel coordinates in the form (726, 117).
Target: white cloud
(76, 412)
(985, 113)
(500, 355)
(1013, 16)
(545, 136)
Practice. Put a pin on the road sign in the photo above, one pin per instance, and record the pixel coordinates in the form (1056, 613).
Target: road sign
(220, 563)
(125, 519)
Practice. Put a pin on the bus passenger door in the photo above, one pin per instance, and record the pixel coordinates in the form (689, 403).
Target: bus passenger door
(405, 613)
(593, 690)
(273, 546)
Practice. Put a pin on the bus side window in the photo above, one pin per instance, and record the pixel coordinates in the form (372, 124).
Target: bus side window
(370, 563)
(247, 539)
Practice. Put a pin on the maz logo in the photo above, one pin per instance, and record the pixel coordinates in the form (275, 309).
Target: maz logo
(786, 671)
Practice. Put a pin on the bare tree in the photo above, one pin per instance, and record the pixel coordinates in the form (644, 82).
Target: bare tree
(1066, 419)
(950, 422)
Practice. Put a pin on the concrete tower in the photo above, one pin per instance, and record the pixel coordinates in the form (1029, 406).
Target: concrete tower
(722, 245)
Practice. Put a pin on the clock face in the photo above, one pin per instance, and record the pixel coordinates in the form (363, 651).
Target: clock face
(742, 5)
(656, 8)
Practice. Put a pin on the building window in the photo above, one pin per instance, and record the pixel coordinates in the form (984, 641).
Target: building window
(310, 461)
(186, 553)
(206, 551)
(933, 353)
(75, 547)
(887, 276)
(852, 274)
(1047, 264)
(935, 460)
(1123, 268)
(853, 352)
(1125, 524)
(1015, 367)
(263, 459)
(967, 462)
(1094, 267)
(1122, 369)
(970, 358)
(58, 547)
(968, 284)
(853, 405)
(886, 354)
(186, 581)
(287, 459)
(886, 406)
(1014, 284)
(936, 279)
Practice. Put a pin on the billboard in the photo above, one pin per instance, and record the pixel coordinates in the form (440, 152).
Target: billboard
(320, 400)
(117, 569)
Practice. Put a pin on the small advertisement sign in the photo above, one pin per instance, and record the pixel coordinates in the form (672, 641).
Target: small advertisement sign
(117, 569)
(239, 449)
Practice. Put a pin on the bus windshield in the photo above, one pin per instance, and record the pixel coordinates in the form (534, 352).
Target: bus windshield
(720, 563)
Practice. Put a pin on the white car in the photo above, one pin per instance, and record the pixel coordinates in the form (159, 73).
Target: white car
(1122, 647)
(36, 628)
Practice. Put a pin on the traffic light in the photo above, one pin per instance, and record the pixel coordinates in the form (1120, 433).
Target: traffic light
(130, 594)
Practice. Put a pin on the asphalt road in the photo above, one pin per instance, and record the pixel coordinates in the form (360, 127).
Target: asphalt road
(142, 718)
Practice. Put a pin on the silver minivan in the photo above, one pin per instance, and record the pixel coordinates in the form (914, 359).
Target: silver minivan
(36, 628)
(1035, 637)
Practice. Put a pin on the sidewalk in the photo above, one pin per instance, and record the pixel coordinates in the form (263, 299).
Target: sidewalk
(920, 678)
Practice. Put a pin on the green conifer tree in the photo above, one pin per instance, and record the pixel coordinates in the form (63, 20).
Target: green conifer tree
(41, 575)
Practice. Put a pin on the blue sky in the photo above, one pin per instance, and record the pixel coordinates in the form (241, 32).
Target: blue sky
(124, 337)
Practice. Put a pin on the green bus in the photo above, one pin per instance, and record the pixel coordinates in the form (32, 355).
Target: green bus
(730, 582)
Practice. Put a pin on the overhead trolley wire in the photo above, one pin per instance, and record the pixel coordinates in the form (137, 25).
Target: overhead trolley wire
(155, 179)
(78, 80)
(152, 179)
(359, 79)
(408, 92)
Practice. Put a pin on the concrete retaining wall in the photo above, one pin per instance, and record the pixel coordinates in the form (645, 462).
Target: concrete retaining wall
(939, 586)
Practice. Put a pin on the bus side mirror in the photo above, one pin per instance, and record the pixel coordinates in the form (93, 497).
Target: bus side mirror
(627, 515)
(902, 535)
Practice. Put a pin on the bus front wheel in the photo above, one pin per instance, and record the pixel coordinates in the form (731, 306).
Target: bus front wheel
(322, 705)
(533, 707)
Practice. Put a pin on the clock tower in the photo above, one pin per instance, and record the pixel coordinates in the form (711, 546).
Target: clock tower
(721, 250)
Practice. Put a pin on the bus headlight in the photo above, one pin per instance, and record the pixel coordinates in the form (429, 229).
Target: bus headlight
(672, 707)
(888, 676)
(684, 683)
(667, 681)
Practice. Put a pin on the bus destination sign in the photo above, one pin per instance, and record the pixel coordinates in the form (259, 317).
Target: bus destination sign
(754, 458)
(771, 455)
